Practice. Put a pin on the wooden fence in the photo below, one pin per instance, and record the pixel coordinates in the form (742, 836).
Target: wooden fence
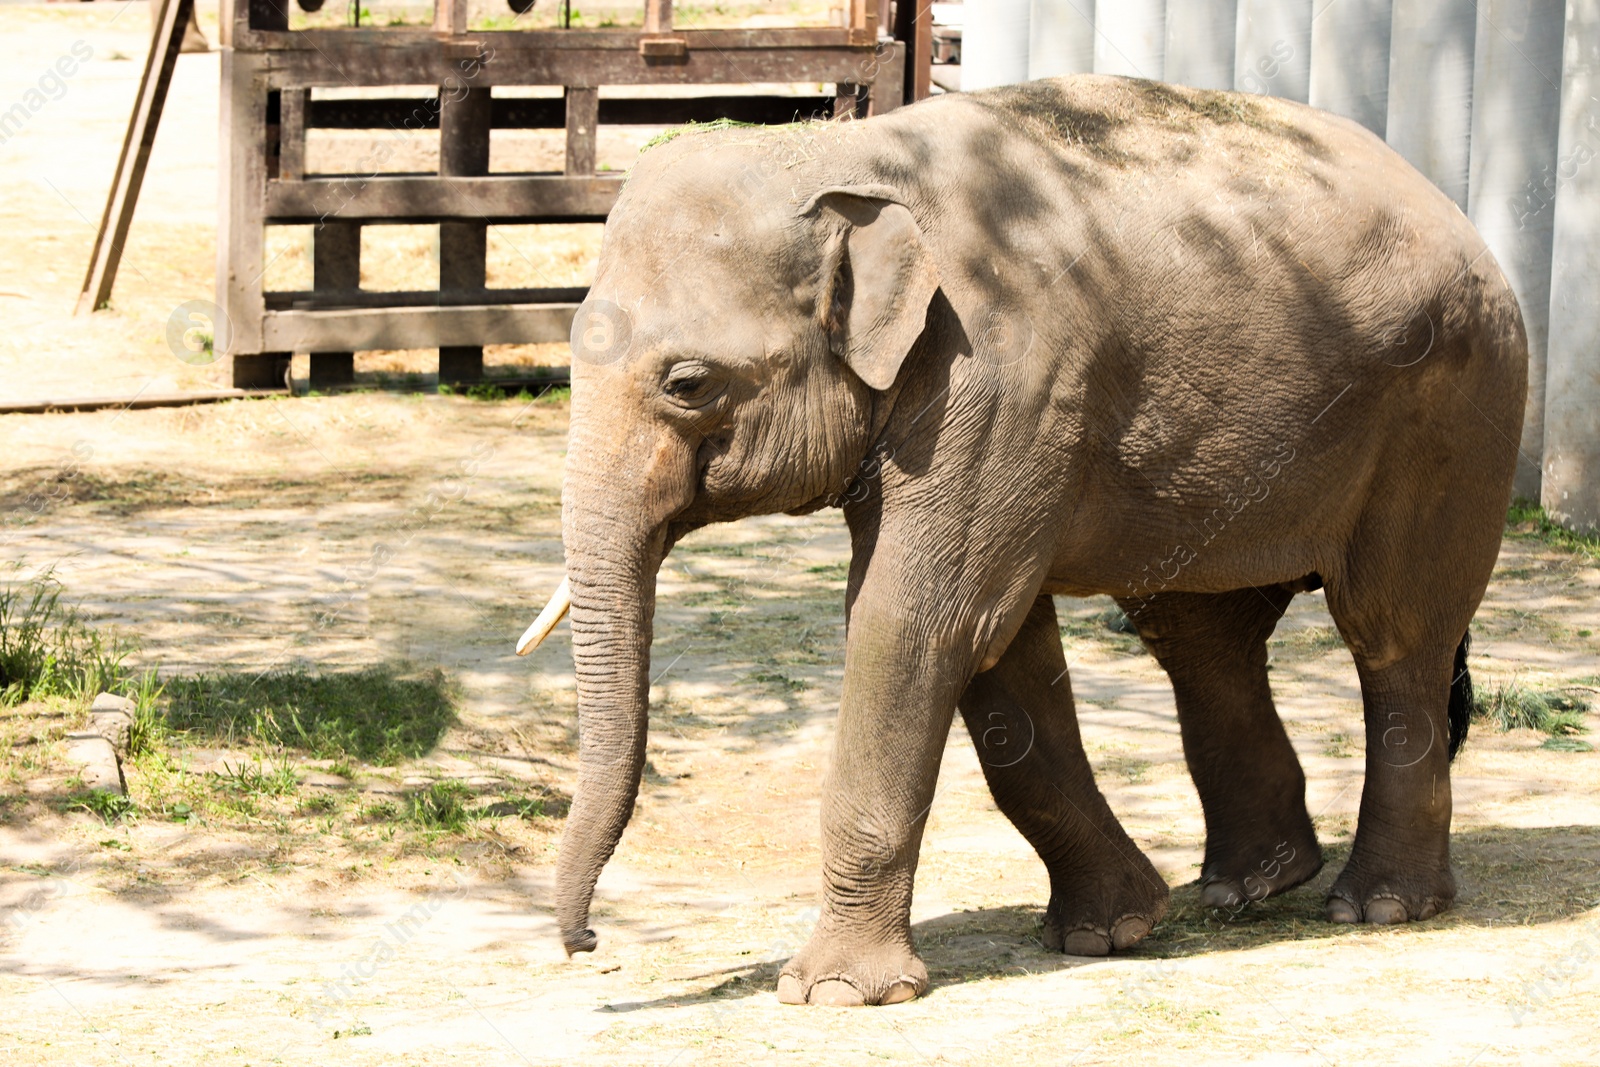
(270, 78)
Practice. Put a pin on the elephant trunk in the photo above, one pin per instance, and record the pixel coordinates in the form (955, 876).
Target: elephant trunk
(613, 553)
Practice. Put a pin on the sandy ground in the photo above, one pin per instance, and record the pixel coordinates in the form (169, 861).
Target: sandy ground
(223, 536)
(249, 536)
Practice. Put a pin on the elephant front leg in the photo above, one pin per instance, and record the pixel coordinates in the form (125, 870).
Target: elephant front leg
(894, 719)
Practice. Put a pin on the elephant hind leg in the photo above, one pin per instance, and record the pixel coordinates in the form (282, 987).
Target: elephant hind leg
(1259, 838)
(1104, 893)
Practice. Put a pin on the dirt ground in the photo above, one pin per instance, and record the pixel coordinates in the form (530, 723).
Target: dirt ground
(318, 537)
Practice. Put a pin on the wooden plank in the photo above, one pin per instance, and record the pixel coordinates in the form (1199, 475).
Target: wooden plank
(240, 262)
(418, 327)
(293, 105)
(657, 16)
(112, 235)
(338, 44)
(541, 113)
(583, 120)
(497, 198)
(335, 267)
(886, 90)
(357, 299)
(429, 63)
(463, 246)
(913, 27)
(450, 16)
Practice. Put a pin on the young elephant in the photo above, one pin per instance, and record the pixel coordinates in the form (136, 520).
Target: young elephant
(1089, 335)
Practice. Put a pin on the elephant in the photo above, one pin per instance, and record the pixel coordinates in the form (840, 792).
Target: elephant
(1087, 335)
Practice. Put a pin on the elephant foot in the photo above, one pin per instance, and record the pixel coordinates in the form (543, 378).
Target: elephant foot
(837, 972)
(1383, 898)
(1099, 914)
(1254, 873)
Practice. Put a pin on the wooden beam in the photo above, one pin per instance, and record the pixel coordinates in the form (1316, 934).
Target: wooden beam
(913, 27)
(583, 121)
(418, 327)
(293, 106)
(549, 113)
(657, 16)
(335, 267)
(357, 299)
(450, 16)
(109, 240)
(463, 246)
(497, 198)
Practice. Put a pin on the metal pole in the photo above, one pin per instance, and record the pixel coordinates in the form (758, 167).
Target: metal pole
(1430, 89)
(1272, 53)
(1200, 39)
(1571, 483)
(1131, 38)
(1516, 109)
(994, 45)
(1350, 60)
(1061, 38)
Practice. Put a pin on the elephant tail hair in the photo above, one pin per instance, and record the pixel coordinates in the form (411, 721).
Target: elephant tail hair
(1460, 696)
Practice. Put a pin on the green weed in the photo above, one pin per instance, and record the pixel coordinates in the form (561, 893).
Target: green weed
(109, 806)
(441, 806)
(1510, 705)
(1528, 520)
(46, 649)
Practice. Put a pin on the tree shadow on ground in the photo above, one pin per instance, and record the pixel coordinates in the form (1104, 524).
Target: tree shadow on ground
(1506, 877)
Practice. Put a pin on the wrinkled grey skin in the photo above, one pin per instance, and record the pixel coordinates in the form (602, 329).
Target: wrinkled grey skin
(1196, 350)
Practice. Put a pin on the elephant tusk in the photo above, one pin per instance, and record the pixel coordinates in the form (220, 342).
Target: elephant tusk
(553, 613)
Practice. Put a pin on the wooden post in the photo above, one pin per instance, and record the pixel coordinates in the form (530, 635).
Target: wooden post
(449, 16)
(135, 156)
(293, 105)
(464, 122)
(583, 120)
(240, 262)
(335, 264)
(658, 16)
(913, 24)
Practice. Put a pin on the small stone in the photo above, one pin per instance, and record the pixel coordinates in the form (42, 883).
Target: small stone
(102, 772)
(323, 780)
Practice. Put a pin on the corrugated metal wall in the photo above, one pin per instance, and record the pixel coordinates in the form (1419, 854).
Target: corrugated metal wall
(1496, 101)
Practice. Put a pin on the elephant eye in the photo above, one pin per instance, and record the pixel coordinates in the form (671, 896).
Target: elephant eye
(692, 384)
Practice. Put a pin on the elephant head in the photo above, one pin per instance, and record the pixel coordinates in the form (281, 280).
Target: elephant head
(736, 356)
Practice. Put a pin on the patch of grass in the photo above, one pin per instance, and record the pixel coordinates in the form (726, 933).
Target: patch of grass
(372, 715)
(46, 649)
(779, 680)
(442, 806)
(109, 806)
(1510, 705)
(1528, 520)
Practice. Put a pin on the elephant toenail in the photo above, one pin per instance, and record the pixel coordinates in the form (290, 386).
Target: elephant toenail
(1129, 931)
(1086, 943)
(790, 990)
(1220, 895)
(900, 992)
(1341, 910)
(1386, 911)
(837, 994)
(1429, 910)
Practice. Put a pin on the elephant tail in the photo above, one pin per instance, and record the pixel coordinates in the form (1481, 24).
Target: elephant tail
(1460, 696)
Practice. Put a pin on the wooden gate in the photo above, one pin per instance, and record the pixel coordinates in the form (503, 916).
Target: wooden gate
(269, 78)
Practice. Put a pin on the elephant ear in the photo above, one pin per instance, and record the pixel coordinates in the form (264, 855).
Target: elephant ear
(879, 279)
